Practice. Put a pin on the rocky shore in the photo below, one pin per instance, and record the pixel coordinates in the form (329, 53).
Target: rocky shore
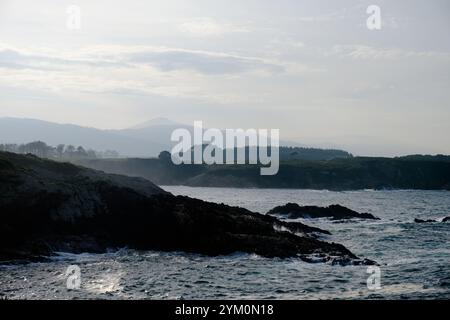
(47, 206)
(334, 212)
(417, 220)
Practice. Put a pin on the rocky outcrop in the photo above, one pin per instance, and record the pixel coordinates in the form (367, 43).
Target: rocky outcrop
(424, 221)
(334, 212)
(46, 206)
(417, 220)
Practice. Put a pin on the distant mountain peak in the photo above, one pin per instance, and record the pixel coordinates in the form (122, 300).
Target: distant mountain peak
(159, 121)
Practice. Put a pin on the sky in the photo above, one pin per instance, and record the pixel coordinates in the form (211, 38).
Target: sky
(312, 69)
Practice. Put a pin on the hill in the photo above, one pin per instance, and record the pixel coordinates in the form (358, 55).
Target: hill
(336, 174)
(14, 130)
(147, 139)
(48, 206)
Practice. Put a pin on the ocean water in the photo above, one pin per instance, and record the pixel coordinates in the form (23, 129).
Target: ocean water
(414, 258)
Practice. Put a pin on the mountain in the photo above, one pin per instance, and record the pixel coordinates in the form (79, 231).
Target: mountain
(159, 129)
(144, 140)
(160, 121)
(147, 139)
(16, 130)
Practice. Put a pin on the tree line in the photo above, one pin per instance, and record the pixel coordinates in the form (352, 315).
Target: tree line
(60, 152)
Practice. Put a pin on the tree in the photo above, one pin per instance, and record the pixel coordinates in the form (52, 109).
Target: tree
(165, 156)
(81, 153)
(38, 148)
(70, 150)
(60, 150)
(91, 154)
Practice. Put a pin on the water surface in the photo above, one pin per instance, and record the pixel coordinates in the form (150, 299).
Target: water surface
(414, 258)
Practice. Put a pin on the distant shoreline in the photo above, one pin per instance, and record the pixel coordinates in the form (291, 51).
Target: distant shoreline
(303, 189)
(358, 173)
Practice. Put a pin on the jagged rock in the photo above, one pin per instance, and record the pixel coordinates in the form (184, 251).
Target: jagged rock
(446, 219)
(47, 206)
(424, 221)
(334, 212)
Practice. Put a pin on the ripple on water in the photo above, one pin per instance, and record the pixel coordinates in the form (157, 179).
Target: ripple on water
(413, 258)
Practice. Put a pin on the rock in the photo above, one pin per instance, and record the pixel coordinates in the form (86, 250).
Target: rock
(298, 227)
(47, 206)
(334, 212)
(424, 221)
(446, 219)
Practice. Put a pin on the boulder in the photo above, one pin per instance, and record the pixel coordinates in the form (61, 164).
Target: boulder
(334, 212)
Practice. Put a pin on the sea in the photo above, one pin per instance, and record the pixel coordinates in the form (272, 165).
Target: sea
(413, 259)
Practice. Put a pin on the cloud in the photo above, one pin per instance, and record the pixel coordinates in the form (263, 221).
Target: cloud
(12, 58)
(135, 70)
(163, 58)
(208, 27)
(364, 52)
(341, 14)
(208, 63)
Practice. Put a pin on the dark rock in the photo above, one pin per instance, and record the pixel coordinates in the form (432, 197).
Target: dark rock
(298, 227)
(47, 206)
(446, 219)
(334, 212)
(424, 221)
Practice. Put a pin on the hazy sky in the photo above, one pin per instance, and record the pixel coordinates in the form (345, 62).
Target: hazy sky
(310, 68)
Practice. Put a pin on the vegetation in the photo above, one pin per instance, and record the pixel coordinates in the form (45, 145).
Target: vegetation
(300, 153)
(322, 169)
(60, 152)
(430, 173)
(285, 153)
